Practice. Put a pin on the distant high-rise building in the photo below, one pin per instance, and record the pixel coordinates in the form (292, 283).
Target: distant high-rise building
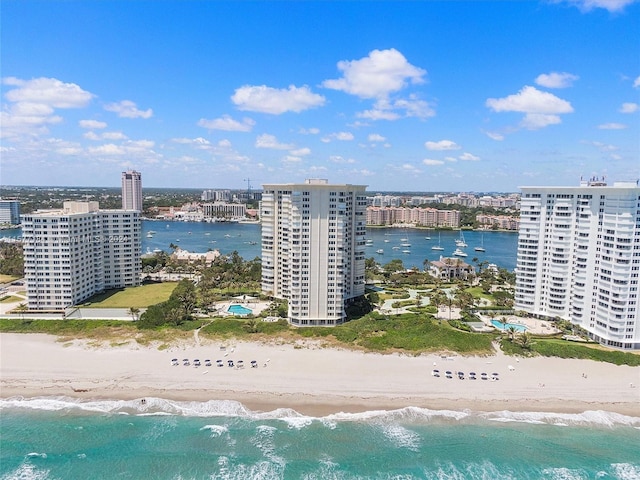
(75, 252)
(579, 258)
(313, 248)
(9, 212)
(132, 190)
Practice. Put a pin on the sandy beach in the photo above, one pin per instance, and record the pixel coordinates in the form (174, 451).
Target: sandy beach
(311, 379)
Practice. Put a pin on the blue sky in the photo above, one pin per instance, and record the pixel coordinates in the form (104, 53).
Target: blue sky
(415, 96)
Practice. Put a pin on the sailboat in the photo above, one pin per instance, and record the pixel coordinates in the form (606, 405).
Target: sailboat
(460, 241)
(437, 247)
(481, 247)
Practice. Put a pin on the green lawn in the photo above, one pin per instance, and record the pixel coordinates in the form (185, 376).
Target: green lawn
(7, 278)
(11, 299)
(139, 297)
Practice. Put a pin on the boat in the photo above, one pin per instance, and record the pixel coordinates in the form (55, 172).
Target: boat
(460, 241)
(406, 251)
(380, 251)
(386, 241)
(438, 247)
(149, 235)
(404, 239)
(480, 248)
(396, 248)
(459, 253)
(405, 244)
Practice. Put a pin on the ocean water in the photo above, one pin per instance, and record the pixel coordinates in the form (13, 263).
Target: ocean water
(63, 438)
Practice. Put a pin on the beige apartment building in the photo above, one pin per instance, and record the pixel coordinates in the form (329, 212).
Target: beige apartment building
(75, 252)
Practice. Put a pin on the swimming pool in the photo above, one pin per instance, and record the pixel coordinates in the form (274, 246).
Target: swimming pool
(239, 310)
(501, 326)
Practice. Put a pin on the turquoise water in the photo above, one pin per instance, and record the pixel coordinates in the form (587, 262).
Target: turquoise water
(239, 310)
(61, 438)
(502, 326)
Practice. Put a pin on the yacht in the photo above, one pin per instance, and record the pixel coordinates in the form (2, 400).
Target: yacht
(405, 244)
(406, 251)
(380, 251)
(459, 253)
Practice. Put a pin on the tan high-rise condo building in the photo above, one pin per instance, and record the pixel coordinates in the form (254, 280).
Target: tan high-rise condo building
(313, 248)
(132, 190)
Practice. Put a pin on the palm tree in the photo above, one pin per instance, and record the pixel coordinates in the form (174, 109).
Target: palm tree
(21, 309)
(252, 326)
(134, 312)
(525, 340)
(512, 332)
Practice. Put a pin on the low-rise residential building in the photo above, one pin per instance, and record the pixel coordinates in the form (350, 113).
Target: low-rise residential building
(449, 268)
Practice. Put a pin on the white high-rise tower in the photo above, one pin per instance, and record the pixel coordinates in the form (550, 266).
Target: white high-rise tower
(579, 258)
(313, 248)
(132, 190)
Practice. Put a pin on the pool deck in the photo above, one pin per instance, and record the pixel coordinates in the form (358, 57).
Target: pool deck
(256, 306)
(533, 325)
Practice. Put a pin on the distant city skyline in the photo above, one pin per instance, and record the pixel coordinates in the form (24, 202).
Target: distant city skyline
(423, 96)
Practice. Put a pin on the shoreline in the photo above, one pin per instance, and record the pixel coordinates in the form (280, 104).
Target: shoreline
(311, 379)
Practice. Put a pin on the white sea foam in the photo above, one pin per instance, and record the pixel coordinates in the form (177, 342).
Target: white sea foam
(229, 408)
(626, 471)
(562, 473)
(401, 437)
(35, 454)
(27, 471)
(216, 430)
(589, 417)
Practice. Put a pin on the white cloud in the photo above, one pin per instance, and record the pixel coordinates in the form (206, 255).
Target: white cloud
(629, 107)
(269, 141)
(309, 131)
(377, 75)
(276, 101)
(610, 5)
(636, 82)
(92, 124)
(604, 147)
(530, 100)
(227, 124)
(105, 136)
(198, 142)
(432, 162)
(224, 143)
(291, 159)
(469, 157)
(340, 159)
(114, 136)
(495, 136)
(541, 108)
(377, 114)
(301, 152)
(442, 145)
(385, 109)
(535, 121)
(612, 126)
(47, 91)
(376, 137)
(128, 109)
(32, 103)
(556, 80)
(343, 136)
